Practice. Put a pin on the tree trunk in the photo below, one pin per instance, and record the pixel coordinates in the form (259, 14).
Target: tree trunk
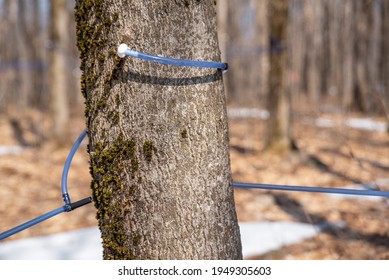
(158, 133)
(37, 54)
(335, 56)
(246, 51)
(384, 89)
(362, 33)
(314, 24)
(374, 56)
(348, 54)
(24, 56)
(12, 80)
(58, 70)
(297, 48)
(279, 124)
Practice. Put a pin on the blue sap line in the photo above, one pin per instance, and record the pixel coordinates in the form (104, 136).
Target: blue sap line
(257, 186)
(32, 222)
(123, 50)
(64, 179)
(311, 189)
(64, 184)
(71, 206)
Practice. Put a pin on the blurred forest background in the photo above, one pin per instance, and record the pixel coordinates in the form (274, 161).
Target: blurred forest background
(337, 54)
(336, 73)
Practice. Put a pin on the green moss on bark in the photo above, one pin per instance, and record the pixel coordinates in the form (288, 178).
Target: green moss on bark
(108, 168)
(148, 150)
(184, 133)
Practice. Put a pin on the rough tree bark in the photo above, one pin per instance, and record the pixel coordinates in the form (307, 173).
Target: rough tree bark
(158, 133)
(278, 136)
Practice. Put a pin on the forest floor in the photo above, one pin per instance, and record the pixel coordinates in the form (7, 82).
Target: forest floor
(335, 156)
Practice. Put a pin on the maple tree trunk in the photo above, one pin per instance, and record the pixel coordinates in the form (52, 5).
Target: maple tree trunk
(158, 133)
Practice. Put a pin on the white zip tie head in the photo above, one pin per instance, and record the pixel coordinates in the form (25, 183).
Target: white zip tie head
(121, 52)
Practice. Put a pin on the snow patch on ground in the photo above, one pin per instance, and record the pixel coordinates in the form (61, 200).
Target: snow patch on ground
(366, 186)
(260, 238)
(357, 123)
(10, 150)
(85, 244)
(248, 113)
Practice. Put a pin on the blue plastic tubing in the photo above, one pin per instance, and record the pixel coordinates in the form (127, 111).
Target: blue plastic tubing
(177, 62)
(243, 185)
(64, 179)
(32, 222)
(311, 189)
(64, 184)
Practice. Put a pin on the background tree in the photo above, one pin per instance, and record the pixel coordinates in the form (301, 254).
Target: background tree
(346, 34)
(158, 134)
(278, 136)
(313, 14)
(384, 65)
(245, 35)
(58, 69)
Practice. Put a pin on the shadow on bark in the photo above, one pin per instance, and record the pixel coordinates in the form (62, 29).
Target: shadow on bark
(169, 81)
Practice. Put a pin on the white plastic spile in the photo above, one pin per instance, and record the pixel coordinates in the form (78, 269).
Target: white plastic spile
(122, 50)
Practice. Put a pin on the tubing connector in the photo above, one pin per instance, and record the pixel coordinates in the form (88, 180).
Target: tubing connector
(80, 203)
(121, 52)
(66, 199)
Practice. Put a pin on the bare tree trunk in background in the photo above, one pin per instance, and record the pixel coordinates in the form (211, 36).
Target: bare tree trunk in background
(158, 134)
(335, 61)
(25, 58)
(37, 54)
(3, 53)
(279, 124)
(297, 48)
(262, 23)
(58, 70)
(362, 93)
(246, 51)
(21, 54)
(314, 24)
(384, 89)
(374, 54)
(10, 53)
(348, 54)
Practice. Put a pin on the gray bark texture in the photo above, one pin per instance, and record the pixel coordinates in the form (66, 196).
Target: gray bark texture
(158, 133)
